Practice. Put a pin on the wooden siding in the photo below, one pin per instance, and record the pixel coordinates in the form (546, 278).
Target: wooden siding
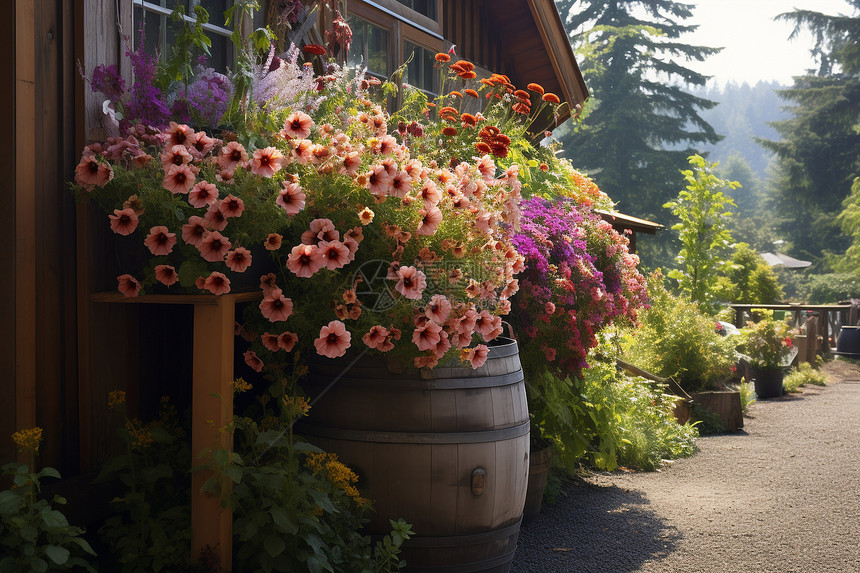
(38, 358)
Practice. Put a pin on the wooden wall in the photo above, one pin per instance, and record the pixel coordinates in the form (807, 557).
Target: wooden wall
(465, 24)
(37, 293)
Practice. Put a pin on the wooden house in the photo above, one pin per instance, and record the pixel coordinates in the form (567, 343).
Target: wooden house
(64, 346)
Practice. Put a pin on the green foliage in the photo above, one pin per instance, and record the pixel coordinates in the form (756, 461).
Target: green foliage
(805, 374)
(189, 41)
(606, 420)
(296, 507)
(849, 220)
(747, 278)
(678, 341)
(34, 535)
(766, 343)
(703, 230)
(150, 528)
(747, 395)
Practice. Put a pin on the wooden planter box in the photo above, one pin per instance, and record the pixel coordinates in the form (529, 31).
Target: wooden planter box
(725, 404)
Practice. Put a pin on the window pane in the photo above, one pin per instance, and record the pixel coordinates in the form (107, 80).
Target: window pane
(216, 9)
(420, 71)
(369, 45)
(425, 7)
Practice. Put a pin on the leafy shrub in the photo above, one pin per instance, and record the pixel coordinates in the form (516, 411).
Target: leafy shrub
(150, 527)
(34, 535)
(831, 288)
(606, 419)
(677, 340)
(805, 374)
(296, 507)
(747, 395)
(747, 278)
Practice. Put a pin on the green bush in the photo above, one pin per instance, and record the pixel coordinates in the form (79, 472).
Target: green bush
(805, 374)
(834, 287)
(606, 419)
(677, 340)
(748, 279)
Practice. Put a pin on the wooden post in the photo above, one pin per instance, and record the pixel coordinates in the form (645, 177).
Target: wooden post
(211, 523)
(811, 339)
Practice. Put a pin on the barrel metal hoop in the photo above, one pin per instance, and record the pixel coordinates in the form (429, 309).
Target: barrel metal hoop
(415, 384)
(479, 437)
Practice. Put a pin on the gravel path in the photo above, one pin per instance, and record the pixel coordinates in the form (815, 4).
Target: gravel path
(781, 496)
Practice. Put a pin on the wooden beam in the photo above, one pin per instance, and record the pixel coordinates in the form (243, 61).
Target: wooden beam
(212, 524)
(25, 213)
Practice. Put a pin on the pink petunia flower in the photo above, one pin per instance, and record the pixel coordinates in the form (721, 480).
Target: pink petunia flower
(128, 285)
(305, 260)
(179, 179)
(287, 341)
(193, 231)
(160, 240)
(232, 155)
(273, 242)
(213, 246)
(266, 162)
(254, 361)
(215, 218)
(91, 172)
(166, 275)
(298, 125)
(123, 221)
(268, 284)
(432, 217)
(217, 283)
(179, 134)
(275, 306)
(334, 340)
(410, 282)
(438, 308)
(232, 206)
(203, 194)
(238, 260)
(378, 337)
(291, 198)
(488, 326)
(476, 356)
(335, 254)
(427, 336)
(175, 155)
(270, 341)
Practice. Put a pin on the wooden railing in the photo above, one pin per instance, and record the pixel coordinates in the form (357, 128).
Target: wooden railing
(831, 316)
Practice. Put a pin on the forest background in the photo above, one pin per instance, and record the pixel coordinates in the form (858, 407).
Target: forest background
(794, 148)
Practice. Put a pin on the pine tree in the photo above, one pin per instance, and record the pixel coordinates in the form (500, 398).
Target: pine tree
(819, 154)
(636, 136)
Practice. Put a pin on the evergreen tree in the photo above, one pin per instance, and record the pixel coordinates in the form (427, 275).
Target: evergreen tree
(819, 154)
(642, 125)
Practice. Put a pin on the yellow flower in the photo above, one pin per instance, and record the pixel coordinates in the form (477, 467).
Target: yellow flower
(28, 440)
(239, 386)
(139, 434)
(116, 398)
(295, 406)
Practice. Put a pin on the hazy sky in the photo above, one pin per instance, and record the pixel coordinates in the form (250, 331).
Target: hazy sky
(754, 46)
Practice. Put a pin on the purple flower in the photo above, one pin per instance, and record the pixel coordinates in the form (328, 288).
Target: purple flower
(106, 79)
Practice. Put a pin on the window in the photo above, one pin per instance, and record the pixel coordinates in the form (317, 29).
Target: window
(420, 71)
(423, 7)
(159, 33)
(369, 46)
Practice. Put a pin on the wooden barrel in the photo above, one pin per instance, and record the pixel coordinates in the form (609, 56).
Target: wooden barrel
(446, 449)
(539, 462)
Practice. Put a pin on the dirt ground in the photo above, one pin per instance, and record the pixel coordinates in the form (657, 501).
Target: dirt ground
(782, 495)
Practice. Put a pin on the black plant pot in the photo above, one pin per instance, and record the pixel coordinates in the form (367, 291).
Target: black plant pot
(768, 383)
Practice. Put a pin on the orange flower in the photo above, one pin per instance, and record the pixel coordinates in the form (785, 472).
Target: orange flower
(456, 93)
(471, 92)
(551, 98)
(468, 75)
(536, 88)
(441, 57)
(449, 131)
(469, 119)
(482, 147)
(522, 95)
(521, 108)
